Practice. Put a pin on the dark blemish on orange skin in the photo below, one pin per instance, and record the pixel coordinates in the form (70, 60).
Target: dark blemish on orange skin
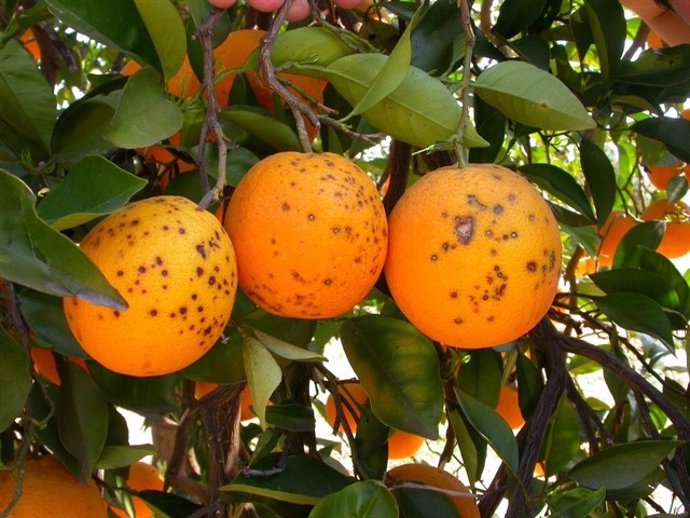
(194, 296)
(285, 207)
(311, 217)
(328, 282)
(453, 294)
(116, 314)
(211, 280)
(434, 257)
(532, 266)
(153, 312)
(164, 273)
(119, 273)
(490, 318)
(458, 321)
(201, 250)
(464, 229)
(181, 231)
(142, 269)
(498, 209)
(512, 198)
(199, 271)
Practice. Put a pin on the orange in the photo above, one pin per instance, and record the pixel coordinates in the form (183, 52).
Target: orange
(31, 44)
(310, 233)
(202, 389)
(474, 255)
(617, 225)
(184, 84)
(400, 444)
(685, 114)
(585, 266)
(142, 477)
(661, 175)
(436, 479)
(175, 266)
(50, 490)
(44, 364)
(508, 407)
(654, 41)
(676, 240)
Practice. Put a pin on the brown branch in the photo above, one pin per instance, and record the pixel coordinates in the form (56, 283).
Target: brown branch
(638, 41)
(587, 417)
(398, 170)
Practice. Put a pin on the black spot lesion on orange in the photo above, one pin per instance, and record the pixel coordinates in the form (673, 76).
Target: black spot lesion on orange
(201, 250)
(463, 226)
(532, 267)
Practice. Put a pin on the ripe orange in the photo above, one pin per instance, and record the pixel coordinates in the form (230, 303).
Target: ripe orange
(31, 44)
(617, 225)
(50, 490)
(585, 266)
(310, 234)
(685, 114)
(654, 41)
(44, 364)
(175, 266)
(661, 175)
(508, 407)
(142, 477)
(400, 444)
(434, 478)
(474, 255)
(676, 240)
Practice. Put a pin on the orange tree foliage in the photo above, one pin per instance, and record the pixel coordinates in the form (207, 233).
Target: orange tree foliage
(575, 304)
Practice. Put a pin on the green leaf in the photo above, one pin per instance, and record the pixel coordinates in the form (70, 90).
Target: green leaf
(563, 439)
(367, 499)
(291, 416)
(657, 263)
(621, 465)
(94, 187)
(561, 184)
(601, 178)
(46, 319)
(171, 505)
(222, 363)
(115, 24)
(673, 133)
(657, 67)
(398, 368)
(639, 281)
(120, 456)
(27, 104)
(82, 417)
(264, 126)
(35, 255)
(638, 313)
(166, 29)
(532, 97)
(294, 331)
(145, 115)
(608, 27)
(286, 350)
(438, 40)
(468, 449)
(15, 380)
(645, 235)
(530, 385)
(576, 503)
(421, 111)
(492, 427)
(516, 15)
(263, 374)
(303, 480)
(480, 377)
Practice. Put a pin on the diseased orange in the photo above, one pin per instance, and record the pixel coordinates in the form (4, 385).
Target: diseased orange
(676, 240)
(436, 479)
(142, 476)
(175, 266)
(310, 234)
(50, 490)
(474, 255)
(616, 226)
(401, 445)
(44, 364)
(508, 407)
(660, 175)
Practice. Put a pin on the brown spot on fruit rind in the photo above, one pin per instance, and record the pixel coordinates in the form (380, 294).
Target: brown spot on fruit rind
(464, 229)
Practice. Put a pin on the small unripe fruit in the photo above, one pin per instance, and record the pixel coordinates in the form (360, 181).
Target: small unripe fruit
(265, 6)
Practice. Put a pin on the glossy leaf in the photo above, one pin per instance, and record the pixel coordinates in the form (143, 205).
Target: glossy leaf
(607, 25)
(94, 187)
(291, 416)
(286, 350)
(371, 444)
(112, 457)
(493, 428)
(35, 255)
(303, 480)
(15, 379)
(657, 67)
(221, 364)
(645, 235)
(530, 385)
(46, 319)
(577, 503)
(601, 178)
(438, 40)
(27, 104)
(263, 374)
(174, 506)
(563, 439)
(659, 264)
(82, 417)
(532, 97)
(480, 377)
(468, 449)
(366, 499)
(294, 331)
(673, 133)
(115, 24)
(421, 111)
(560, 184)
(638, 281)
(516, 15)
(398, 368)
(166, 29)
(638, 313)
(145, 115)
(264, 126)
(621, 465)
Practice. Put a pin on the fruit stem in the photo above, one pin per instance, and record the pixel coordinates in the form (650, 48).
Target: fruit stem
(463, 156)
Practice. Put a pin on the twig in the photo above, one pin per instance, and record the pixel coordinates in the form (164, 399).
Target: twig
(398, 170)
(638, 41)
(463, 154)
(587, 417)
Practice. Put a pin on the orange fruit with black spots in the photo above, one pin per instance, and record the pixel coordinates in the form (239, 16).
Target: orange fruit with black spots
(474, 255)
(50, 490)
(310, 233)
(175, 266)
(436, 480)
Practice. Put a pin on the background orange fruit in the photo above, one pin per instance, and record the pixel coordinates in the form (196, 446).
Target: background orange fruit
(433, 477)
(400, 444)
(508, 407)
(474, 255)
(44, 364)
(142, 476)
(175, 266)
(617, 225)
(310, 234)
(30, 43)
(660, 175)
(50, 490)
(676, 240)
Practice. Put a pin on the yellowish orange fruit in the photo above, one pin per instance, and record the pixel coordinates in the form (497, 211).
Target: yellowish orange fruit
(585, 266)
(435, 479)
(401, 445)
(508, 407)
(50, 490)
(660, 175)
(654, 41)
(474, 255)
(310, 234)
(175, 266)
(612, 233)
(30, 43)
(142, 476)
(44, 364)
(676, 240)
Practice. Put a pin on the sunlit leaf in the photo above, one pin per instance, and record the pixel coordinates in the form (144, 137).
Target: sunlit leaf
(120, 456)
(600, 176)
(577, 503)
(256, 121)
(286, 350)
(367, 499)
(263, 374)
(166, 29)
